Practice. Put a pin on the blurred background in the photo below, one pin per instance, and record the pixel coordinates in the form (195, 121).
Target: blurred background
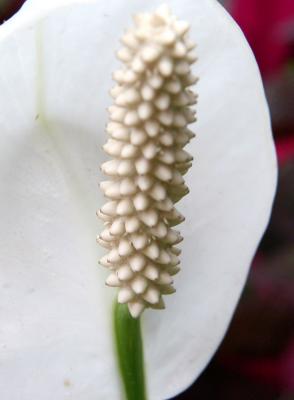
(256, 359)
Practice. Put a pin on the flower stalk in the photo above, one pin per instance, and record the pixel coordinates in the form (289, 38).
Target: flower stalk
(129, 347)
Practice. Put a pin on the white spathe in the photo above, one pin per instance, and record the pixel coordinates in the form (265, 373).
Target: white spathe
(55, 312)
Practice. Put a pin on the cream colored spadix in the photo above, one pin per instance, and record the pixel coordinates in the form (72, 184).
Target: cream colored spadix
(55, 311)
(152, 101)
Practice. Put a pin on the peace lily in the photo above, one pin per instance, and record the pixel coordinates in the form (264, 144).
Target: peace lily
(56, 313)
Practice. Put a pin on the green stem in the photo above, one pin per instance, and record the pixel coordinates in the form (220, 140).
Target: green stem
(129, 348)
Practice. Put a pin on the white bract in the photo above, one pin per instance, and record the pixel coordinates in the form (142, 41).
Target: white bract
(148, 130)
(56, 63)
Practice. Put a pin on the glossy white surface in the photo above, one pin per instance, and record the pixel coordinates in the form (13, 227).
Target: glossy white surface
(55, 320)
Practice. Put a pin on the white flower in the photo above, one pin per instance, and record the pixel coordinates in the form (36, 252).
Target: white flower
(148, 130)
(55, 72)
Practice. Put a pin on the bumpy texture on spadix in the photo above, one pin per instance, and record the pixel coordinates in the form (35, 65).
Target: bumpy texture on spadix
(148, 130)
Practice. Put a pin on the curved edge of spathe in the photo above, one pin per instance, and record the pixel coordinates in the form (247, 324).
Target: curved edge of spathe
(270, 189)
(33, 11)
